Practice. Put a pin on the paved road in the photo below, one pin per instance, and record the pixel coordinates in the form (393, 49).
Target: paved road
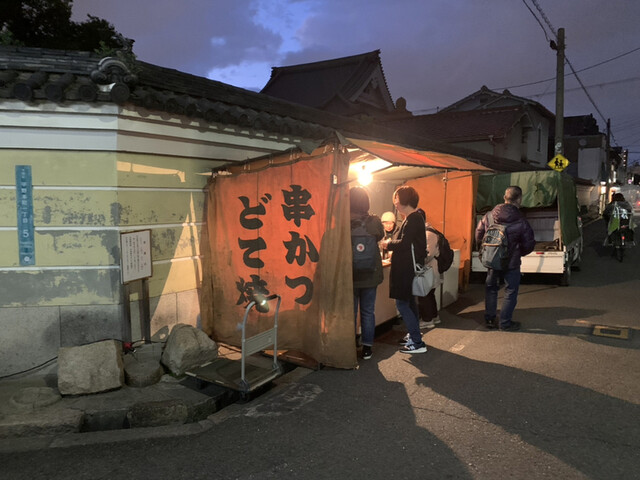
(551, 401)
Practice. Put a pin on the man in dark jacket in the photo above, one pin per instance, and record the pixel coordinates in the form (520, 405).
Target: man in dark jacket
(521, 242)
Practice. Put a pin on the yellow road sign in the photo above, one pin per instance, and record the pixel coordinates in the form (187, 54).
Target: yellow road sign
(558, 163)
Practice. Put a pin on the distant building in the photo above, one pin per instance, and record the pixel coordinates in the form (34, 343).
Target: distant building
(498, 124)
(352, 86)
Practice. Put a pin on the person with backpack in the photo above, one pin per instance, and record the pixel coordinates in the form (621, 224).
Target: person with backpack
(504, 236)
(366, 232)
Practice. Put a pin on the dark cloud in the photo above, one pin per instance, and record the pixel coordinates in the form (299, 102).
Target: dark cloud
(434, 52)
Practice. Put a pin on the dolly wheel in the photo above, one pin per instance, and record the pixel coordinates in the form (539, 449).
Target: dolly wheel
(565, 278)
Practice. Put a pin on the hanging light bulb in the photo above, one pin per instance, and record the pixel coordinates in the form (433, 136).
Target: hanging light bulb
(364, 176)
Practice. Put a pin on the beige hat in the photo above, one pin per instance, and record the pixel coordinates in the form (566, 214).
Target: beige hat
(388, 217)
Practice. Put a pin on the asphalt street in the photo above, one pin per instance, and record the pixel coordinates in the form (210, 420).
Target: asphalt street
(551, 401)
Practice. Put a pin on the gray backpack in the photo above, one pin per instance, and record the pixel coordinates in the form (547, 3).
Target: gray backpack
(494, 251)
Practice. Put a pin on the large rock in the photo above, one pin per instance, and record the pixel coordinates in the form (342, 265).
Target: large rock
(142, 372)
(143, 367)
(187, 347)
(92, 368)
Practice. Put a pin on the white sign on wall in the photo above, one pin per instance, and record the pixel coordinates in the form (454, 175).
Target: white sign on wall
(135, 255)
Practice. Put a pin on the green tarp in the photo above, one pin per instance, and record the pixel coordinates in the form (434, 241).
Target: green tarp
(543, 188)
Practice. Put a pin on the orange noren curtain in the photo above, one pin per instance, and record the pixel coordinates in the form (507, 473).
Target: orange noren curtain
(448, 200)
(281, 230)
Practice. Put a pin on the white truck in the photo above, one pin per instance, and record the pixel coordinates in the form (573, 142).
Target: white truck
(550, 206)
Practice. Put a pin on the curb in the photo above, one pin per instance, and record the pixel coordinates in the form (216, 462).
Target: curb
(26, 444)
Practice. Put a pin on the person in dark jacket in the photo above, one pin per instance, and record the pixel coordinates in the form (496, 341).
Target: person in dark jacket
(411, 232)
(365, 284)
(521, 241)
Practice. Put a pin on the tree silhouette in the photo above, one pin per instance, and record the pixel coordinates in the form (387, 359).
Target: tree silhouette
(47, 23)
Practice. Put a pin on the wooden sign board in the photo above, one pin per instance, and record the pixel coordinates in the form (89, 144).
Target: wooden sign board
(135, 255)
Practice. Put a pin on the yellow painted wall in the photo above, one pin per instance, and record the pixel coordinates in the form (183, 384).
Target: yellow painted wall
(81, 202)
(54, 167)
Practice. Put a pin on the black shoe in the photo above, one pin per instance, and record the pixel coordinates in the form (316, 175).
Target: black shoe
(413, 348)
(512, 327)
(366, 352)
(491, 324)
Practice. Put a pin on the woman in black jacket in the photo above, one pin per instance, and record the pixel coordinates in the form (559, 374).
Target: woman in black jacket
(411, 232)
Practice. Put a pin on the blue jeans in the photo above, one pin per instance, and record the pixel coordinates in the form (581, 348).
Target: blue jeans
(409, 313)
(492, 285)
(366, 299)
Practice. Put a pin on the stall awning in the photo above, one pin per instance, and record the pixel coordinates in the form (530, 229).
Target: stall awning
(408, 162)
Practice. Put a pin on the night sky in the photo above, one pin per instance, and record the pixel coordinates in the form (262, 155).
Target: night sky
(434, 52)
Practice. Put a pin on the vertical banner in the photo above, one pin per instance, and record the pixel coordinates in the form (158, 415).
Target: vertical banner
(269, 226)
(24, 203)
(283, 229)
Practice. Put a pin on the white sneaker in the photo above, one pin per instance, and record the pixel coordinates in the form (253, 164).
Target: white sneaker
(437, 320)
(430, 324)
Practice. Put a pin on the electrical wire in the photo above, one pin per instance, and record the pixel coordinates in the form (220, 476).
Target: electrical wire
(603, 84)
(48, 362)
(553, 30)
(537, 20)
(568, 74)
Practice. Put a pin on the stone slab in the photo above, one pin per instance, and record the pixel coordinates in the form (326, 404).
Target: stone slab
(44, 422)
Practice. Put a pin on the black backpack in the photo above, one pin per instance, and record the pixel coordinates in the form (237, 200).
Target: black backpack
(445, 258)
(364, 247)
(494, 251)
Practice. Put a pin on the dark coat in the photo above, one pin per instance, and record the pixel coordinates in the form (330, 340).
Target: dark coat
(412, 231)
(519, 233)
(374, 227)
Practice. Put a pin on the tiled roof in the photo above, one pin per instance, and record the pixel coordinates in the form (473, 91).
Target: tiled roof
(487, 98)
(318, 84)
(35, 74)
(463, 126)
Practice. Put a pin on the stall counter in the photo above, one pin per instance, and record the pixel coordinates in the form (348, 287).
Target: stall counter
(446, 294)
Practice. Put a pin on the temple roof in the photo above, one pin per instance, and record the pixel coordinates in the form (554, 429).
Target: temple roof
(348, 85)
(486, 98)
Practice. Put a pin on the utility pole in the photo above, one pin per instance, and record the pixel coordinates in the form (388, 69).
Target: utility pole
(608, 160)
(559, 135)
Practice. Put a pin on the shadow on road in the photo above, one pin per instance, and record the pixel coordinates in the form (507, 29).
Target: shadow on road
(594, 433)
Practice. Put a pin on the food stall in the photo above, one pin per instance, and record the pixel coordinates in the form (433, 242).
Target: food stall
(280, 224)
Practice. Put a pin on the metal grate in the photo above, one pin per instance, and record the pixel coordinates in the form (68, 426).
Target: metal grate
(611, 332)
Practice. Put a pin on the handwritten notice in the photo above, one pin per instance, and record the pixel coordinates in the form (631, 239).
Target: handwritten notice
(135, 258)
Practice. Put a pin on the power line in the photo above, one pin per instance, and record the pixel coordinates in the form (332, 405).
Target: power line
(568, 74)
(553, 30)
(602, 84)
(537, 20)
